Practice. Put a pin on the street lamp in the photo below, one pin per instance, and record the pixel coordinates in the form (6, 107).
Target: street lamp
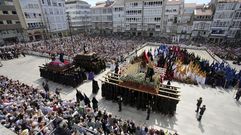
(70, 26)
(85, 21)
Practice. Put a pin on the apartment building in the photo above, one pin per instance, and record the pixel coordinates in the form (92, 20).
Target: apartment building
(185, 27)
(79, 14)
(119, 16)
(202, 20)
(144, 17)
(54, 17)
(102, 18)
(10, 28)
(30, 16)
(173, 15)
(226, 21)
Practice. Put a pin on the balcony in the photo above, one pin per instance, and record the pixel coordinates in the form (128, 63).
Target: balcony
(218, 32)
(9, 26)
(8, 17)
(203, 18)
(7, 7)
(39, 27)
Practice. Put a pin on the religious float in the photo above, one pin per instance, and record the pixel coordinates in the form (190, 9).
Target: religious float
(90, 62)
(73, 73)
(137, 89)
(62, 71)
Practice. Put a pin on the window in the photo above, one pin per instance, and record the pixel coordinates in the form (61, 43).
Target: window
(17, 22)
(43, 1)
(14, 12)
(9, 22)
(54, 4)
(49, 3)
(30, 5)
(1, 22)
(5, 12)
(26, 15)
(157, 19)
(175, 19)
(50, 11)
(36, 6)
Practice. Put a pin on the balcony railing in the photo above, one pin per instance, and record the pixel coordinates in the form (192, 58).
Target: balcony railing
(9, 26)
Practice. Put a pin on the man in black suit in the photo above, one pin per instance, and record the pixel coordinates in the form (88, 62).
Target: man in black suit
(202, 110)
(87, 101)
(120, 103)
(238, 94)
(79, 96)
(148, 112)
(95, 86)
(46, 86)
(95, 104)
(199, 102)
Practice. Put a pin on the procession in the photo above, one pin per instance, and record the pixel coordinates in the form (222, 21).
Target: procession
(120, 67)
(170, 63)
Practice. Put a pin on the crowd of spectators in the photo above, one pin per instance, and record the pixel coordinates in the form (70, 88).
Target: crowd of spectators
(7, 53)
(228, 53)
(106, 46)
(111, 46)
(29, 111)
(224, 50)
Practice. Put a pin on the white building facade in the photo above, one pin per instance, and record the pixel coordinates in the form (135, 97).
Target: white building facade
(31, 18)
(185, 27)
(173, 15)
(101, 16)
(227, 21)
(10, 28)
(144, 17)
(42, 18)
(54, 16)
(79, 14)
(118, 9)
(202, 20)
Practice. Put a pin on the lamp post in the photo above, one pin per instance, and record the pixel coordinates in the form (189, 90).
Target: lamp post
(70, 26)
(85, 21)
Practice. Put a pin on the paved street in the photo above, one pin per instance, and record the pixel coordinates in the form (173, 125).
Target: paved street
(222, 116)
